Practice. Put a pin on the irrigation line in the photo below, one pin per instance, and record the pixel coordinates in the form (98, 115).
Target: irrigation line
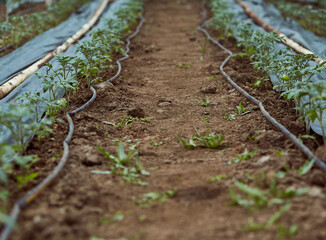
(14, 82)
(31, 195)
(5, 48)
(278, 125)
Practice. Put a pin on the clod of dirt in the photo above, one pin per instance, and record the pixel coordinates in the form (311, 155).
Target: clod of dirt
(192, 39)
(91, 159)
(137, 112)
(104, 88)
(318, 178)
(211, 88)
(87, 155)
(72, 216)
(164, 103)
(321, 152)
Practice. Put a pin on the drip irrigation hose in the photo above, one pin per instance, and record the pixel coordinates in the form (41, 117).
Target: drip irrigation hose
(31, 195)
(286, 132)
(5, 48)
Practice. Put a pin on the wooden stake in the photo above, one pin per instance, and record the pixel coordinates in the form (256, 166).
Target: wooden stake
(10, 85)
(287, 41)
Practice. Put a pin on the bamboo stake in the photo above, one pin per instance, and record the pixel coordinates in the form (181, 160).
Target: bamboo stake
(10, 85)
(287, 41)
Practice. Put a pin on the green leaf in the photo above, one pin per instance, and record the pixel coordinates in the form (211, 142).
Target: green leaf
(306, 167)
(101, 172)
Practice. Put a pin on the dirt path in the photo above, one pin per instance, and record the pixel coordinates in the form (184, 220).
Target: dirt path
(80, 204)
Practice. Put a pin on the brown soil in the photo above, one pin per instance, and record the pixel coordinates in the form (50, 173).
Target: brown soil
(77, 204)
(23, 9)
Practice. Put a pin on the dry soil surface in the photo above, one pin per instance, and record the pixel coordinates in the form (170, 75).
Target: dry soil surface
(172, 65)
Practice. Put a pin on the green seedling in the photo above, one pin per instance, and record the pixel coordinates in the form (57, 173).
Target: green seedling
(284, 232)
(210, 140)
(257, 198)
(205, 102)
(270, 222)
(142, 218)
(230, 117)
(246, 155)
(156, 143)
(190, 144)
(205, 119)
(117, 217)
(184, 66)
(258, 82)
(202, 49)
(241, 110)
(123, 164)
(211, 77)
(306, 136)
(306, 167)
(151, 198)
(127, 121)
(217, 178)
(24, 180)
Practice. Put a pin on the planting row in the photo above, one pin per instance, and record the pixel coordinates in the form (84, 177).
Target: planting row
(18, 29)
(308, 17)
(294, 72)
(24, 118)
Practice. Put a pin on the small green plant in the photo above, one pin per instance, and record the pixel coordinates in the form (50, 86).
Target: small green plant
(210, 140)
(217, 178)
(270, 222)
(117, 217)
(183, 66)
(205, 102)
(241, 110)
(257, 198)
(151, 198)
(123, 165)
(127, 121)
(156, 143)
(230, 117)
(258, 82)
(24, 180)
(306, 167)
(246, 155)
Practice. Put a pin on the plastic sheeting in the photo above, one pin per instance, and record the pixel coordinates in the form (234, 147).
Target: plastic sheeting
(13, 4)
(34, 84)
(289, 27)
(13, 63)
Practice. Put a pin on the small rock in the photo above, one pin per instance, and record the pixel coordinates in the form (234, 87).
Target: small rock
(264, 159)
(104, 88)
(211, 88)
(91, 159)
(167, 162)
(164, 103)
(136, 112)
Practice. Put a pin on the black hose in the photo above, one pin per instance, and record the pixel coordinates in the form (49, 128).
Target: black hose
(5, 48)
(278, 125)
(31, 195)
